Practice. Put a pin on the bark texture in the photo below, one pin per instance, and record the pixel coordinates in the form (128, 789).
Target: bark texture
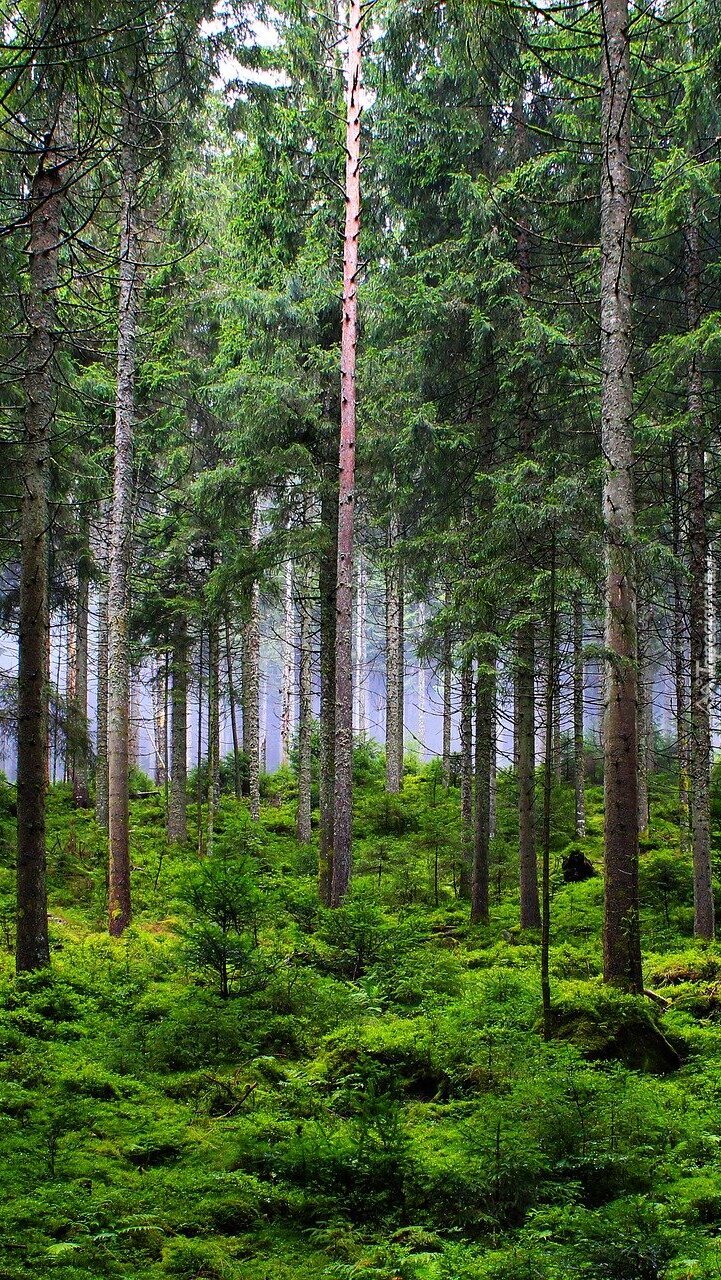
(466, 727)
(700, 690)
(621, 937)
(251, 678)
(32, 949)
(394, 669)
(178, 798)
(579, 754)
(305, 717)
(526, 739)
(343, 787)
(119, 903)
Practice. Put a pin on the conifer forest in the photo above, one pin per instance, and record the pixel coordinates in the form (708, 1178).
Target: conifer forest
(360, 639)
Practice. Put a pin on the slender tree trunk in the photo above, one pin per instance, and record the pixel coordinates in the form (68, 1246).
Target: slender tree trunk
(493, 748)
(642, 713)
(119, 904)
(547, 793)
(178, 803)
(679, 655)
(343, 789)
(579, 754)
(447, 707)
(251, 672)
(621, 934)
(361, 622)
(305, 717)
(480, 868)
(157, 692)
(526, 738)
(700, 723)
(394, 669)
(422, 686)
(288, 675)
(101, 739)
(213, 729)
(237, 782)
(81, 794)
(327, 590)
(466, 728)
(199, 745)
(32, 949)
(71, 655)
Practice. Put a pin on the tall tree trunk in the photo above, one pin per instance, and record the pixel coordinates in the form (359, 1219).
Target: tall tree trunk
(251, 674)
(213, 729)
(81, 794)
(643, 711)
(160, 732)
(101, 737)
(526, 739)
(237, 781)
(481, 834)
(621, 933)
(178, 802)
(552, 680)
(305, 715)
(343, 789)
(71, 653)
(394, 667)
(32, 949)
(422, 683)
(361, 623)
(447, 720)
(287, 690)
(679, 656)
(119, 904)
(466, 728)
(700, 723)
(579, 753)
(327, 590)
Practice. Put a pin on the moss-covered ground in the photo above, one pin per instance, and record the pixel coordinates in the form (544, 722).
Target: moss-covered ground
(373, 1097)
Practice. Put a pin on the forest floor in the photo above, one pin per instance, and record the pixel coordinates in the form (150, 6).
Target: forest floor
(373, 1098)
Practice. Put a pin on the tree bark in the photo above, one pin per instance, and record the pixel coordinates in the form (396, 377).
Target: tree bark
(422, 684)
(305, 717)
(46, 195)
(237, 781)
(288, 674)
(551, 702)
(526, 739)
(643, 711)
(251, 674)
(343, 787)
(394, 668)
(81, 795)
(101, 739)
(621, 933)
(579, 753)
(679, 656)
(361, 622)
(119, 900)
(481, 834)
(327, 590)
(700, 690)
(447, 708)
(466, 727)
(178, 801)
(213, 729)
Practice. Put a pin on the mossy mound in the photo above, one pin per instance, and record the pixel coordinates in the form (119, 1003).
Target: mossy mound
(618, 1028)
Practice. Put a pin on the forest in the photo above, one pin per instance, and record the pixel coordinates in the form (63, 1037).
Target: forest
(360, 640)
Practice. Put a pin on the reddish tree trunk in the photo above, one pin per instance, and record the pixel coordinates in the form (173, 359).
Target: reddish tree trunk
(343, 789)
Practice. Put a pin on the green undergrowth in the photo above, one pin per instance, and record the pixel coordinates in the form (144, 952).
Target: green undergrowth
(249, 1086)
